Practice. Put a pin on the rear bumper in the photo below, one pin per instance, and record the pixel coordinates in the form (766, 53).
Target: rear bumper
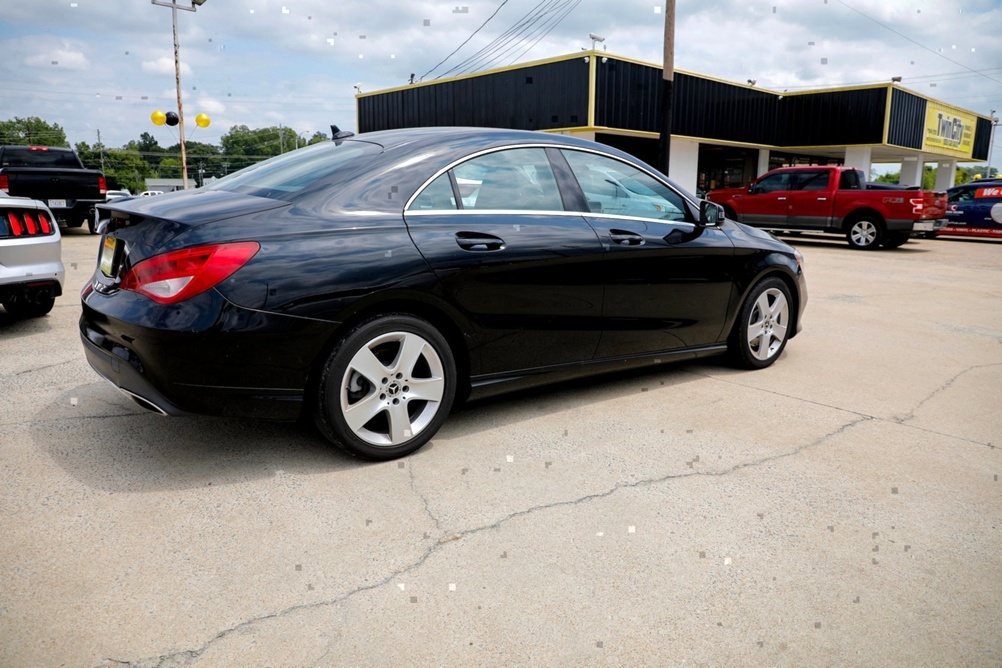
(205, 356)
(916, 226)
(120, 369)
(28, 262)
(929, 225)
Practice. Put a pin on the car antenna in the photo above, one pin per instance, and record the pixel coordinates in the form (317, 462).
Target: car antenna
(337, 134)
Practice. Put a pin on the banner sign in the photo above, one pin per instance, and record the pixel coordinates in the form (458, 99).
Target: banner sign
(948, 131)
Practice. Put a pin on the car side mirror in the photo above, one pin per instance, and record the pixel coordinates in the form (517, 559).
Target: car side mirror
(754, 190)
(711, 214)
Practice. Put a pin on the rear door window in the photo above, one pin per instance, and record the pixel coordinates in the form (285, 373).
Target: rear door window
(813, 180)
(518, 179)
(612, 187)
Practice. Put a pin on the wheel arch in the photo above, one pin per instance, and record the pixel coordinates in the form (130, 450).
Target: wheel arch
(445, 319)
(773, 266)
(860, 214)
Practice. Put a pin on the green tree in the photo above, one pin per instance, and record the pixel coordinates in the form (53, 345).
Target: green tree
(968, 174)
(170, 168)
(243, 146)
(203, 159)
(126, 169)
(149, 150)
(32, 130)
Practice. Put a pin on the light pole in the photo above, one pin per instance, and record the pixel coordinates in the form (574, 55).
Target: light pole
(299, 136)
(177, 77)
(991, 139)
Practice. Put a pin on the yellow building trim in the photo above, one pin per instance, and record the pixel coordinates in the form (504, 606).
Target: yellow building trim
(836, 89)
(592, 86)
(887, 114)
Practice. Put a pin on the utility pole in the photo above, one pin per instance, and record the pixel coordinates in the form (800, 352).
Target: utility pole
(667, 88)
(281, 139)
(101, 148)
(177, 76)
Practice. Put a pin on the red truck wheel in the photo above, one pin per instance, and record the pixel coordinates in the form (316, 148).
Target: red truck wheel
(865, 233)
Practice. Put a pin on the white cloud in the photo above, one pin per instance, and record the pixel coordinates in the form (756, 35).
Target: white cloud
(272, 67)
(65, 58)
(165, 65)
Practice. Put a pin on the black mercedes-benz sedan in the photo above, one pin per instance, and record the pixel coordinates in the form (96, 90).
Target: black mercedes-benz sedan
(373, 281)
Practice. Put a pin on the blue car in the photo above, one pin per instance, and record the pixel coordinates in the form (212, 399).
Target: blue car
(975, 209)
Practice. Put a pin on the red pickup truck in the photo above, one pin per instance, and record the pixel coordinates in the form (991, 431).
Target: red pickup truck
(834, 200)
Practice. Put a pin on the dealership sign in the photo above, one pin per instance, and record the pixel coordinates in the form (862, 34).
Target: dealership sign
(948, 131)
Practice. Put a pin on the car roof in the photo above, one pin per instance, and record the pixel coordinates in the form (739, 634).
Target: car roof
(465, 136)
(978, 183)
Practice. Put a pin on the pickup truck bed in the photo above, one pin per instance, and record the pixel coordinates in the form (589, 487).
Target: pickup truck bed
(56, 177)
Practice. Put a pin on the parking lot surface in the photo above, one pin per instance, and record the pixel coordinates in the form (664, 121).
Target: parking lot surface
(842, 507)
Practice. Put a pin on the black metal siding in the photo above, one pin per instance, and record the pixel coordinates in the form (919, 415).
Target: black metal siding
(907, 123)
(982, 139)
(628, 96)
(541, 97)
(836, 118)
(708, 108)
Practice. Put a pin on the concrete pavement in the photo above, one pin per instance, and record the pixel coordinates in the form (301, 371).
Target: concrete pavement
(842, 507)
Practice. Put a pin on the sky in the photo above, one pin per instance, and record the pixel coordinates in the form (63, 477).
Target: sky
(105, 65)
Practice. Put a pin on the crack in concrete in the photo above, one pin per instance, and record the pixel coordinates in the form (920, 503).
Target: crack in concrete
(74, 418)
(910, 415)
(895, 421)
(187, 657)
(42, 368)
(672, 476)
(427, 507)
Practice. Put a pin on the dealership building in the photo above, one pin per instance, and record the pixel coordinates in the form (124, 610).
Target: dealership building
(724, 134)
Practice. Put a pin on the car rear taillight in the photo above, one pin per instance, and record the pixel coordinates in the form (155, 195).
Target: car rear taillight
(44, 221)
(29, 222)
(4, 182)
(102, 185)
(25, 223)
(918, 204)
(182, 274)
(16, 227)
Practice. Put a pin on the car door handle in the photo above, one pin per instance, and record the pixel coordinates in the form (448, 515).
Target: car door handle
(781, 199)
(624, 238)
(477, 241)
(822, 199)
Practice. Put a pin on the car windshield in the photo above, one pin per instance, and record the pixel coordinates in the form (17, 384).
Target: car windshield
(284, 175)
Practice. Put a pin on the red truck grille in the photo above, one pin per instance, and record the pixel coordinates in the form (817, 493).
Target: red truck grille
(25, 223)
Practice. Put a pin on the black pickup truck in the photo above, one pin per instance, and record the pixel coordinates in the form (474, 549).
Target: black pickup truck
(57, 177)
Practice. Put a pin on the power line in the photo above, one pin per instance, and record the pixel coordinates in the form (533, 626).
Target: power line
(557, 20)
(483, 57)
(919, 44)
(465, 41)
(528, 25)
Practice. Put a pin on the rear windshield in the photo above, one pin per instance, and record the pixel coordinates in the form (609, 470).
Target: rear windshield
(39, 157)
(285, 175)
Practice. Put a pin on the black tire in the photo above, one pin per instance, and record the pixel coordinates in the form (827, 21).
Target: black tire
(762, 327)
(896, 239)
(395, 418)
(20, 307)
(930, 235)
(865, 233)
